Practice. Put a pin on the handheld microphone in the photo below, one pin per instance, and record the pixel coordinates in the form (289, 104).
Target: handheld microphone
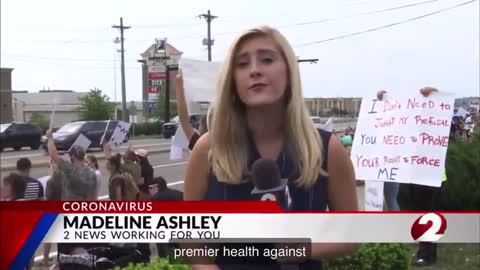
(269, 183)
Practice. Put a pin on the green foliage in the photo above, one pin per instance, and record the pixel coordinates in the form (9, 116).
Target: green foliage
(461, 191)
(159, 112)
(41, 121)
(157, 264)
(374, 256)
(96, 106)
(154, 128)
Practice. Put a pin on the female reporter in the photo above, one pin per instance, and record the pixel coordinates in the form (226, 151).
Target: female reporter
(260, 113)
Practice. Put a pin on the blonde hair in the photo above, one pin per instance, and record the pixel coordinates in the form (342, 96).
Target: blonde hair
(228, 153)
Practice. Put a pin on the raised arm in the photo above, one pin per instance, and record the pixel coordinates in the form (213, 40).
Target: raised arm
(107, 150)
(52, 149)
(182, 107)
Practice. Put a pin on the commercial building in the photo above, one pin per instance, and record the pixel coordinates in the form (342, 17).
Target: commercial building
(65, 103)
(334, 106)
(159, 68)
(6, 95)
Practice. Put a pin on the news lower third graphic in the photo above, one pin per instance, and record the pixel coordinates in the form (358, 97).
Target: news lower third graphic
(429, 227)
(213, 225)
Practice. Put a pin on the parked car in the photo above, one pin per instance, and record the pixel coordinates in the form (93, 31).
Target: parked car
(18, 135)
(317, 121)
(169, 129)
(65, 136)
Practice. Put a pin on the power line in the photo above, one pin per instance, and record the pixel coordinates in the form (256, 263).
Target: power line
(386, 26)
(67, 59)
(235, 32)
(363, 13)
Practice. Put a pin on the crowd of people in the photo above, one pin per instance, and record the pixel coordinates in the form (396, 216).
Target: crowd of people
(259, 112)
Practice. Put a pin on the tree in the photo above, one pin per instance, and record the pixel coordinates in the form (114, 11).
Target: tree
(41, 121)
(159, 111)
(96, 106)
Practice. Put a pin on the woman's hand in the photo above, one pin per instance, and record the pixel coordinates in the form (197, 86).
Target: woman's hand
(426, 91)
(179, 90)
(380, 94)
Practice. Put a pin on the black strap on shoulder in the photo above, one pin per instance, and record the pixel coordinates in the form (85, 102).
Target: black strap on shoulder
(325, 136)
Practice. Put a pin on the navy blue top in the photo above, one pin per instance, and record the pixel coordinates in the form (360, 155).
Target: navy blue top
(312, 199)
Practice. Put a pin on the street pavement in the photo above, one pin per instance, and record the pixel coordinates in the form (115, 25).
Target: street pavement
(39, 157)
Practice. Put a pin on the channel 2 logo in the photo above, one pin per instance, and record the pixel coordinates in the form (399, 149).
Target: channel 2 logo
(429, 227)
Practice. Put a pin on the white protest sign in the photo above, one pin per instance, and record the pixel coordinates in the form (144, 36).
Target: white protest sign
(373, 196)
(329, 126)
(119, 134)
(81, 141)
(176, 153)
(180, 139)
(199, 79)
(403, 139)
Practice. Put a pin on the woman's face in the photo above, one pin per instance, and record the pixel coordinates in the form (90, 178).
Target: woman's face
(260, 72)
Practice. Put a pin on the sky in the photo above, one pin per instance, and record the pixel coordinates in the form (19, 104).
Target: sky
(68, 45)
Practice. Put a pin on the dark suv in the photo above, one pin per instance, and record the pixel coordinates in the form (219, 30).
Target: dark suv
(18, 135)
(170, 128)
(65, 136)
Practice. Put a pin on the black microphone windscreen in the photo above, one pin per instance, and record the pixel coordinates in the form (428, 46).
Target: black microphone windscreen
(265, 174)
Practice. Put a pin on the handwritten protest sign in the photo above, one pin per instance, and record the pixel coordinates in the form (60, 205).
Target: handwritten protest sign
(403, 139)
(199, 79)
(373, 196)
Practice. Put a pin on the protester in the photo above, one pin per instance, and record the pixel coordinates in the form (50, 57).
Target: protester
(131, 166)
(423, 198)
(191, 134)
(92, 163)
(260, 113)
(34, 189)
(121, 185)
(159, 191)
(80, 181)
(13, 188)
(146, 169)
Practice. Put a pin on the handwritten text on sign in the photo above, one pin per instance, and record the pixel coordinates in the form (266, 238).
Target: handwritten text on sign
(403, 139)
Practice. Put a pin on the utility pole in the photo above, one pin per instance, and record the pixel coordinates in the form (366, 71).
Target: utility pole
(209, 42)
(122, 50)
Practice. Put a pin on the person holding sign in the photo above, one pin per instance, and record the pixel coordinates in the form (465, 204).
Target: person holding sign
(191, 134)
(423, 198)
(81, 181)
(260, 113)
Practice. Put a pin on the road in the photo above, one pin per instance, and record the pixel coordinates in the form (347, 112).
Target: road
(172, 171)
(9, 156)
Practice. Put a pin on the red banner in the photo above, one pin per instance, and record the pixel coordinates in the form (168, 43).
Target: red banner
(153, 89)
(157, 75)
